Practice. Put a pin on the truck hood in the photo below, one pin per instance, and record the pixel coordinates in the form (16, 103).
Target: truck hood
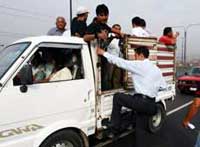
(190, 78)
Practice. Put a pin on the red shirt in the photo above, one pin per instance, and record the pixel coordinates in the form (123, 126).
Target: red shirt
(167, 40)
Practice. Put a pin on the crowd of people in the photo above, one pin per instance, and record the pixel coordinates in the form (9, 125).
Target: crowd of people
(147, 84)
(99, 26)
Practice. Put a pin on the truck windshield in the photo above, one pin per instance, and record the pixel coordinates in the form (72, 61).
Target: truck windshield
(195, 71)
(9, 55)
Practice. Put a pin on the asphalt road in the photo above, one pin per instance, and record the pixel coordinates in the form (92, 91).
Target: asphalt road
(172, 134)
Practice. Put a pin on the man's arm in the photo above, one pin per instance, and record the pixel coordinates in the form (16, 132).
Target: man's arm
(122, 63)
(89, 37)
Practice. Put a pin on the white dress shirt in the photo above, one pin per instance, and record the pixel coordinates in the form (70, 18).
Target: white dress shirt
(114, 48)
(147, 77)
(140, 32)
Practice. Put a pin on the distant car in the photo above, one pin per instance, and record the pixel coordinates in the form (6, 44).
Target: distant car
(190, 82)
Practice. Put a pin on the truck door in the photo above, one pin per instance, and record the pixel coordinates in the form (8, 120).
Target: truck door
(60, 88)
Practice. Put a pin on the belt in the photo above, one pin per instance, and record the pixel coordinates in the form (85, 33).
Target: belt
(147, 97)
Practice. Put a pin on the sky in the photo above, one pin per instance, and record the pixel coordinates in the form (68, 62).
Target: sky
(22, 18)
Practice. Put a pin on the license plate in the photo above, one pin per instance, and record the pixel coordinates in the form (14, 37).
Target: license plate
(193, 89)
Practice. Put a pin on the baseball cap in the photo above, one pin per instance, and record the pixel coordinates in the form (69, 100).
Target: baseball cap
(82, 10)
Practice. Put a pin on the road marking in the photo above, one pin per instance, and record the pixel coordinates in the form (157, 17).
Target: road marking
(179, 108)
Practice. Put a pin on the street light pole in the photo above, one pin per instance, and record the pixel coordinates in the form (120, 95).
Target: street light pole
(185, 39)
(70, 3)
(184, 44)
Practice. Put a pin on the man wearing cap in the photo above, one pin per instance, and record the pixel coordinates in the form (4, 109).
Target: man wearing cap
(60, 27)
(79, 25)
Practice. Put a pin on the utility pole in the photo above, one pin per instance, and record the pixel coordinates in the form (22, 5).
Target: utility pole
(184, 42)
(185, 47)
(70, 5)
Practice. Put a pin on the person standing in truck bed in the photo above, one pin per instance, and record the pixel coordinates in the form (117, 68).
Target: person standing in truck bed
(60, 27)
(138, 27)
(99, 30)
(168, 38)
(79, 25)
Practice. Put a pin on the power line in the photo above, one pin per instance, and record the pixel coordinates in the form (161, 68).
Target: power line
(9, 36)
(14, 33)
(26, 16)
(25, 11)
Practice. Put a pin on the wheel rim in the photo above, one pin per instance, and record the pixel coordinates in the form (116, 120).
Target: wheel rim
(63, 144)
(156, 119)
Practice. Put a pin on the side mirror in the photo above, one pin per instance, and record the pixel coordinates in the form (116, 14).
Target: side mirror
(26, 77)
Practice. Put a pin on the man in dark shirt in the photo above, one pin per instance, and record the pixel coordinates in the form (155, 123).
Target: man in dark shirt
(99, 29)
(79, 25)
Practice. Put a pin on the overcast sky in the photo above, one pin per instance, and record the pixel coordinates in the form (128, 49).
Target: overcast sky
(21, 18)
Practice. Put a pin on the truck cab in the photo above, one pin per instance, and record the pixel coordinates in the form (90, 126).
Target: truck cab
(50, 91)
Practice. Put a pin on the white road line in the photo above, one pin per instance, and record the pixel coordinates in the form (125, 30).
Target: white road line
(178, 108)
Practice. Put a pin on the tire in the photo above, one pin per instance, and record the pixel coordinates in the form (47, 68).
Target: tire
(64, 138)
(156, 121)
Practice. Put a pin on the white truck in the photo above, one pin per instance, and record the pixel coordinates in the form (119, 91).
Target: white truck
(65, 112)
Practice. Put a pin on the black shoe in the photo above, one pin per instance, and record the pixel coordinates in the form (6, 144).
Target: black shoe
(106, 123)
(113, 133)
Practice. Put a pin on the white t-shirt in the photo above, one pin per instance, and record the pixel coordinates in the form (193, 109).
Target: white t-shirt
(114, 48)
(140, 32)
(63, 74)
(67, 33)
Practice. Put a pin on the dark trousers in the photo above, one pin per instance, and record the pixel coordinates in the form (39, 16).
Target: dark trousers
(144, 107)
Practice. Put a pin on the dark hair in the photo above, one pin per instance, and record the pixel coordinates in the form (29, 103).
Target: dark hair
(80, 15)
(142, 50)
(167, 30)
(136, 21)
(142, 23)
(116, 25)
(102, 9)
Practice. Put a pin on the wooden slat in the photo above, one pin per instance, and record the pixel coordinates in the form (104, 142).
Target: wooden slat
(136, 46)
(168, 74)
(166, 66)
(165, 49)
(165, 58)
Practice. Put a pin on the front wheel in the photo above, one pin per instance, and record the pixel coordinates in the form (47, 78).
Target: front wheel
(156, 121)
(64, 138)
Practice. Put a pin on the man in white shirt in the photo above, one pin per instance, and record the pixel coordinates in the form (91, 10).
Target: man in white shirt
(148, 80)
(114, 48)
(138, 29)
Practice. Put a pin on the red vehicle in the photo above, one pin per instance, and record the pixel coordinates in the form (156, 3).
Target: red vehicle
(190, 83)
